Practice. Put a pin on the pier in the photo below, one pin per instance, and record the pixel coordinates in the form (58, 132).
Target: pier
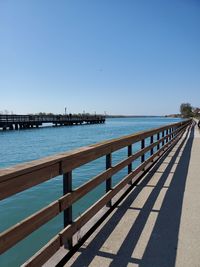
(15, 122)
(150, 218)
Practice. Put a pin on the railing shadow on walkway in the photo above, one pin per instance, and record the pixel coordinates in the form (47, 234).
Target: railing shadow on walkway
(160, 249)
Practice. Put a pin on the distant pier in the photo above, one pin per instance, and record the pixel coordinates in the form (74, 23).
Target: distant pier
(15, 122)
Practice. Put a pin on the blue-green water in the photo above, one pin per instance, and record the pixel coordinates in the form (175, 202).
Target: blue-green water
(26, 145)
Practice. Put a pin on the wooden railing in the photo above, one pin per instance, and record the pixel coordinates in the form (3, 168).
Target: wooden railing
(24, 176)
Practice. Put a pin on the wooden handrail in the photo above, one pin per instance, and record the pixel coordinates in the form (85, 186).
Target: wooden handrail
(28, 225)
(21, 177)
(54, 244)
(27, 175)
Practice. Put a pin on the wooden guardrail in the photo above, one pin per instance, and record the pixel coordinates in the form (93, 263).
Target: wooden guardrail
(21, 177)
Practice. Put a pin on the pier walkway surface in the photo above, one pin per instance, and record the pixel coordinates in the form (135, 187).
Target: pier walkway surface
(158, 224)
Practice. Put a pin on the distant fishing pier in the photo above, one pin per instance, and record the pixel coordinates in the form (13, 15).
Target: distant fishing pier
(15, 122)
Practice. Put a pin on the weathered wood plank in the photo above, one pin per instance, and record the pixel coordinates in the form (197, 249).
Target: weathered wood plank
(36, 165)
(27, 180)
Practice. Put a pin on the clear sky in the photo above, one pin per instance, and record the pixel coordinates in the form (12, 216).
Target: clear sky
(119, 56)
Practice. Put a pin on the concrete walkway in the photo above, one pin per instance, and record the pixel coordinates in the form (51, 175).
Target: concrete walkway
(158, 224)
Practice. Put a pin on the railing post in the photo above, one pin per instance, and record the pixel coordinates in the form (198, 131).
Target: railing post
(170, 132)
(173, 130)
(130, 154)
(67, 187)
(176, 129)
(109, 180)
(158, 138)
(130, 165)
(151, 143)
(163, 135)
(167, 137)
(143, 146)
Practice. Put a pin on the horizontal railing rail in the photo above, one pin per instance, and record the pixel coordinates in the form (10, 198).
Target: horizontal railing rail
(19, 178)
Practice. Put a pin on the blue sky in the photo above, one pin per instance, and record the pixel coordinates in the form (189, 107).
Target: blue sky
(122, 57)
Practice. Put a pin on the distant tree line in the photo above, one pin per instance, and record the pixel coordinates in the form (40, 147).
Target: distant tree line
(187, 110)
